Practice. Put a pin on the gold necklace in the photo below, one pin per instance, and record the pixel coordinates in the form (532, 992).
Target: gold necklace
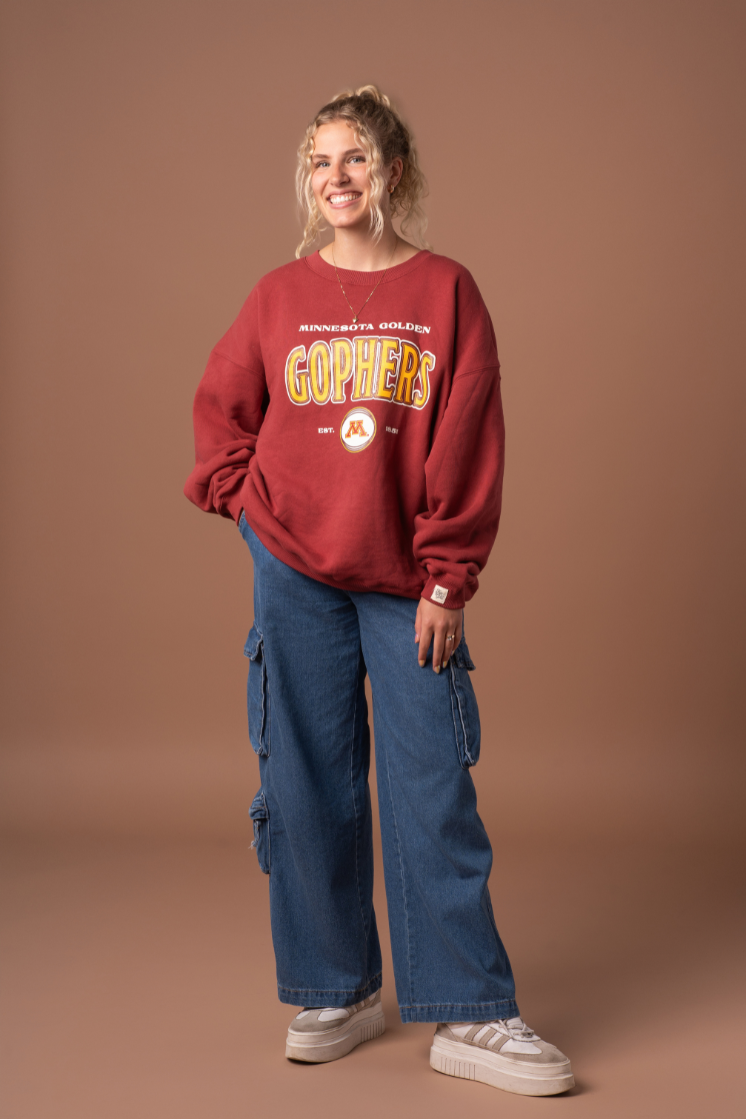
(355, 317)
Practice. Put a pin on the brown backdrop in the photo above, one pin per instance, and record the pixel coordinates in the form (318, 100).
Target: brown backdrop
(586, 163)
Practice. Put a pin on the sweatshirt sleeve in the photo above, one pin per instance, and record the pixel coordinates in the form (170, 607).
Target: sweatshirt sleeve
(228, 412)
(464, 474)
(464, 470)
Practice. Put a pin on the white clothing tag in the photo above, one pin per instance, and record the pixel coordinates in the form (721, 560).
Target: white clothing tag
(440, 594)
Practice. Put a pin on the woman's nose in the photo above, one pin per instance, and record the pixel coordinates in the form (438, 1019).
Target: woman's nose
(339, 174)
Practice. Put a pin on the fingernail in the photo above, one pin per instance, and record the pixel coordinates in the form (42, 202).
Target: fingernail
(437, 668)
(422, 664)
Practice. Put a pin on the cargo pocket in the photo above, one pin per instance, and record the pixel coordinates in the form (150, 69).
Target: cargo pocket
(260, 816)
(464, 707)
(257, 693)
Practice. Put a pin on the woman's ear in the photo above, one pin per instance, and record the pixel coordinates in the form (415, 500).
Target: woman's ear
(395, 173)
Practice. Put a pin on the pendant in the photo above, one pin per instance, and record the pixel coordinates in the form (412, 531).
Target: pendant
(354, 318)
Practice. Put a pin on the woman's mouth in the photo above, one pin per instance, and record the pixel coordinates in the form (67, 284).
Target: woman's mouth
(346, 199)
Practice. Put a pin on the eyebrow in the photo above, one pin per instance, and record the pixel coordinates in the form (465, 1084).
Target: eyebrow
(350, 151)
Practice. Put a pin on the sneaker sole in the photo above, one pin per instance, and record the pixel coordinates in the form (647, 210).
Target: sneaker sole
(314, 1048)
(449, 1058)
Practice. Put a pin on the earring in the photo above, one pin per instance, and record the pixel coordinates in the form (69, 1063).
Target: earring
(391, 189)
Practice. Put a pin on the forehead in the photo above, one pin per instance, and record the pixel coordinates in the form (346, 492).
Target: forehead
(337, 136)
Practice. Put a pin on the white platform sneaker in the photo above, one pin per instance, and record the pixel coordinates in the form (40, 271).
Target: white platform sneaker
(504, 1053)
(326, 1033)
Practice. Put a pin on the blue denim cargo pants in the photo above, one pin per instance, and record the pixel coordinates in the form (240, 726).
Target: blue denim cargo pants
(309, 648)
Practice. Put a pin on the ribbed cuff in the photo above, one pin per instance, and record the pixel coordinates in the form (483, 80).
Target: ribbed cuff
(442, 592)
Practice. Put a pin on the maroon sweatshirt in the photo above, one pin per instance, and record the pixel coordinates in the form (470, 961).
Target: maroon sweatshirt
(367, 455)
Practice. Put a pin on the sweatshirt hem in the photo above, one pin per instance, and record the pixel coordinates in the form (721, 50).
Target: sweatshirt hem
(290, 559)
(235, 505)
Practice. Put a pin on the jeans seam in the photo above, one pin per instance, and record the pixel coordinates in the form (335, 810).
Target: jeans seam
(354, 808)
(467, 754)
(265, 686)
(491, 915)
(259, 661)
(433, 1005)
(401, 871)
(333, 990)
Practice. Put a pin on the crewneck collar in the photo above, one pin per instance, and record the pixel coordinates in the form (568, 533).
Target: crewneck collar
(348, 276)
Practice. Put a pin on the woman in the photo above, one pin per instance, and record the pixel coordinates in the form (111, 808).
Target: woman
(350, 423)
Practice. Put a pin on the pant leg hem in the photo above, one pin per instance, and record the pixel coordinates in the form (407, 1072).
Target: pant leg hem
(309, 996)
(460, 1012)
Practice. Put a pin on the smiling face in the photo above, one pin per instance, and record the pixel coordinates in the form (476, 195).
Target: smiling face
(340, 177)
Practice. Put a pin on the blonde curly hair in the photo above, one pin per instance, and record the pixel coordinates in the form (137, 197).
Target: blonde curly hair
(383, 136)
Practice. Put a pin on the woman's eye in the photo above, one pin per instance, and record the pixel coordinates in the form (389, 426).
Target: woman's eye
(321, 163)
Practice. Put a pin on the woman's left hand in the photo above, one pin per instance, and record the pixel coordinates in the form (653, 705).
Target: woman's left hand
(434, 623)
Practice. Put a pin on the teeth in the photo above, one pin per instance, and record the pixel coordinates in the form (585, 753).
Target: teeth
(343, 197)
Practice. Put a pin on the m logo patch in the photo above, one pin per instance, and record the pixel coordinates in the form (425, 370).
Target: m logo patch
(358, 429)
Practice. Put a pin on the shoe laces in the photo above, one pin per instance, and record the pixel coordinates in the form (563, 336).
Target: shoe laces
(515, 1028)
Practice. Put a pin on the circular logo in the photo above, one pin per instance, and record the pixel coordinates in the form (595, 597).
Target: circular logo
(357, 430)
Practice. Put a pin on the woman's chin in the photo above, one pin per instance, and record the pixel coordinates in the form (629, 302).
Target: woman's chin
(348, 218)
